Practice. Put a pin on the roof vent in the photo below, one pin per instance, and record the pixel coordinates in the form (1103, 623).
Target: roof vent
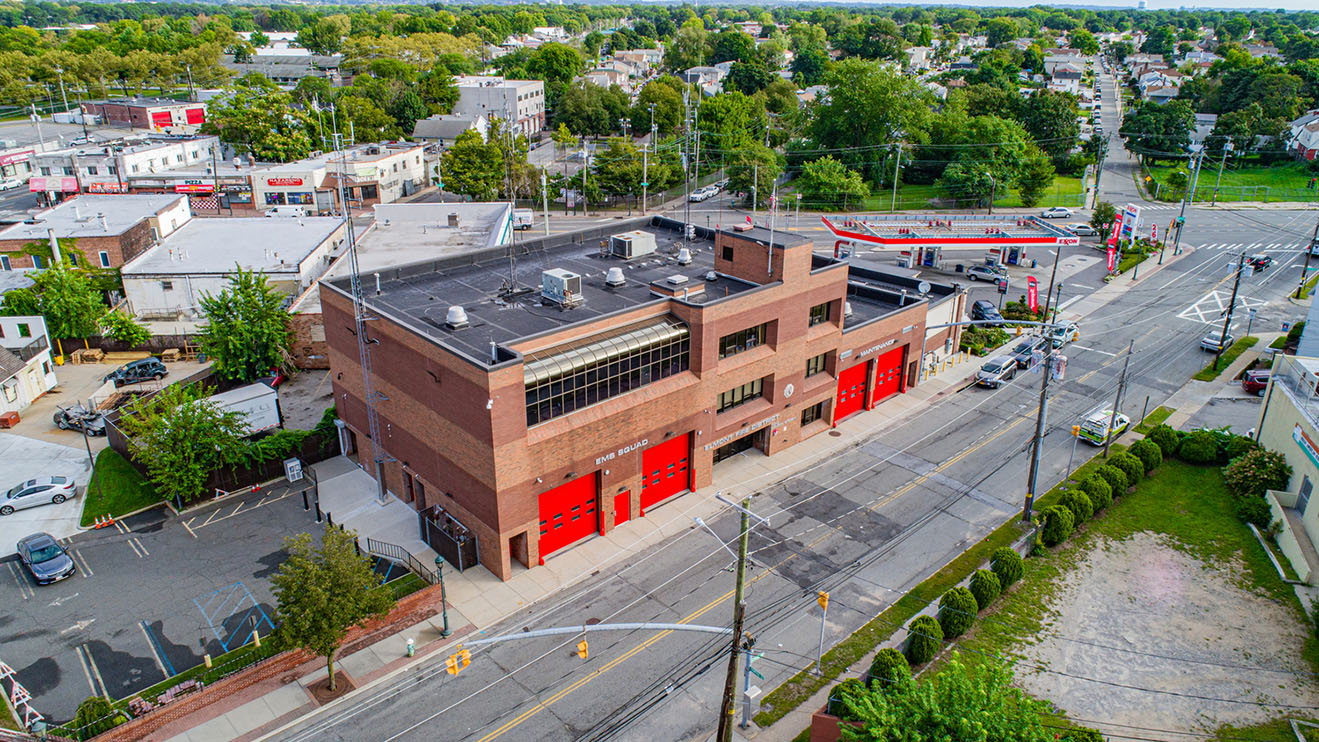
(453, 220)
(456, 319)
(847, 309)
(711, 275)
(614, 277)
(676, 279)
(684, 257)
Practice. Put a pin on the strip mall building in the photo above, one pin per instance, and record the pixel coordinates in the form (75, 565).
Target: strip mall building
(541, 401)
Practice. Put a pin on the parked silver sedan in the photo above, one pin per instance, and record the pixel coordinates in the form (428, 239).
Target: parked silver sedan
(34, 492)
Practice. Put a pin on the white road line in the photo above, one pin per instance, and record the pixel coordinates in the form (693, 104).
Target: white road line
(1093, 350)
(190, 531)
(141, 546)
(154, 655)
(132, 546)
(235, 512)
(23, 588)
(82, 660)
(95, 671)
(213, 514)
(82, 562)
(1069, 302)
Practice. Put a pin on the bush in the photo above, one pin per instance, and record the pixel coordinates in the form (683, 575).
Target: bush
(94, 716)
(1116, 478)
(1199, 447)
(1237, 446)
(1165, 438)
(1079, 503)
(1253, 510)
(1083, 735)
(985, 587)
(957, 611)
(1007, 565)
(1101, 495)
(1058, 525)
(1148, 452)
(1257, 471)
(1131, 466)
(889, 667)
(924, 639)
(835, 705)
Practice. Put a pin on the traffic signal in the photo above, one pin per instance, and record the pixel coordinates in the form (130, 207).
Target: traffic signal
(1076, 430)
(582, 649)
(823, 599)
(455, 662)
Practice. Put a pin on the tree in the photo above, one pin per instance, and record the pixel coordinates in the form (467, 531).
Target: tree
(322, 37)
(689, 47)
(868, 105)
(749, 77)
(964, 703)
(810, 65)
(733, 46)
(1161, 40)
(1085, 42)
(753, 165)
(472, 167)
(258, 39)
(438, 90)
(247, 328)
(68, 301)
(1103, 217)
(182, 439)
(324, 591)
(1034, 179)
(667, 101)
(965, 183)
(1155, 131)
(619, 169)
(1000, 31)
(555, 64)
(590, 110)
(259, 120)
(1050, 119)
(123, 328)
(826, 182)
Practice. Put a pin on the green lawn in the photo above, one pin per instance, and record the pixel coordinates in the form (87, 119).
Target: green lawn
(1188, 503)
(7, 720)
(116, 489)
(1159, 414)
(1064, 192)
(1281, 182)
(1212, 371)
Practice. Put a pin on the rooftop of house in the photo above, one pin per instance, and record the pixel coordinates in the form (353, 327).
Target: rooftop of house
(146, 102)
(503, 301)
(491, 81)
(362, 153)
(215, 246)
(91, 215)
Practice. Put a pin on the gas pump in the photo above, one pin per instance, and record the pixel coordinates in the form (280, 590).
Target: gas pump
(1016, 255)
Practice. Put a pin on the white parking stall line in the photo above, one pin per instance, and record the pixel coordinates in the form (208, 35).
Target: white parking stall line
(1093, 350)
(141, 545)
(96, 673)
(133, 546)
(82, 563)
(86, 670)
(152, 645)
(186, 526)
(24, 589)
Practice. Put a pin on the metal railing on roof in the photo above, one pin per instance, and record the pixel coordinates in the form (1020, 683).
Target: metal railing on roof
(1299, 382)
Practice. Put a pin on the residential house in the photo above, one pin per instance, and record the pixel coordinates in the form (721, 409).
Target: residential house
(26, 370)
(99, 230)
(1289, 425)
(1204, 126)
(1263, 51)
(442, 129)
(521, 102)
(1066, 78)
(965, 64)
(918, 58)
(1303, 135)
(709, 79)
(1161, 94)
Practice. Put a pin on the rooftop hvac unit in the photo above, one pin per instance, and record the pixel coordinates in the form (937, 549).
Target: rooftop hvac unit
(676, 279)
(635, 244)
(614, 277)
(561, 287)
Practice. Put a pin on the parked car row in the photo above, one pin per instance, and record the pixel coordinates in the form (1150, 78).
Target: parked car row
(708, 192)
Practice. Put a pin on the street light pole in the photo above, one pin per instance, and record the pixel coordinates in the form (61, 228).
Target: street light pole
(444, 596)
(993, 188)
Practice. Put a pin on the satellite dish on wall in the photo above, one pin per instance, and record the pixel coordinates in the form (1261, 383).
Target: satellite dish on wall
(923, 287)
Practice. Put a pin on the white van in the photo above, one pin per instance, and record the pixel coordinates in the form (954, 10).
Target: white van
(290, 211)
(523, 218)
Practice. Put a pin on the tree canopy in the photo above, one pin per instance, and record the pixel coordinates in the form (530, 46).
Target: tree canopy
(247, 327)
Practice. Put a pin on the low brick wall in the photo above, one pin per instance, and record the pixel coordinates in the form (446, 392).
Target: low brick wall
(824, 727)
(411, 610)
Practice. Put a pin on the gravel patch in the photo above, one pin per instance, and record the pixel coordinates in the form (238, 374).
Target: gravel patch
(1212, 639)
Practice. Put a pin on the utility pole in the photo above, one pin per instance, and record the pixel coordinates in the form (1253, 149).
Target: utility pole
(1041, 413)
(893, 207)
(586, 163)
(1305, 270)
(1181, 219)
(645, 179)
(1221, 163)
(726, 707)
(1052, 275)
(545, 198)
(1231, 307)
(993, 188)
(1117, 399)
(1195, 181)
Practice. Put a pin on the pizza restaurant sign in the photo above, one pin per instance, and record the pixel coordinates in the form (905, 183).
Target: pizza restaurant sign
(283, 181)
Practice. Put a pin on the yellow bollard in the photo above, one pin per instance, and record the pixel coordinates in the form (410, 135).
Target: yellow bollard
(256, 639)
(206, 658)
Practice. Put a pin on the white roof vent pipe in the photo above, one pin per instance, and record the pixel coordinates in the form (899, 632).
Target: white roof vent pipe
(847, 309)
(456, 318)
(684, 257)
(614, 277)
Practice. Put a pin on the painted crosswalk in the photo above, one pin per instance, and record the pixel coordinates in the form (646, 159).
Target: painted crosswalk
(1255, 247)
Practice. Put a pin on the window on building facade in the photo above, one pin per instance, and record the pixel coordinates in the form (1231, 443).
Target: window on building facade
(5, 264)
(727, 253)
(45, 171)
(815, 364)
(740, 395)
(566, 381)
(91, 170)
(24, 330)
(166, 285)
(68, 171)
(741, 340)
(105, 258)
(812, 413)
(819, 314)
(112, 169)
(37, 262)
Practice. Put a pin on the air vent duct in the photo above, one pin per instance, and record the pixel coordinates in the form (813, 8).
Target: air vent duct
(456, 319)
(614, 277)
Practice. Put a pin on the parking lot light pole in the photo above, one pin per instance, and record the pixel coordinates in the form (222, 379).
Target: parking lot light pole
(444, 596)
(91, 461)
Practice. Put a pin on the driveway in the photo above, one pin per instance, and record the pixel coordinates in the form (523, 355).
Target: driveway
(26, 458)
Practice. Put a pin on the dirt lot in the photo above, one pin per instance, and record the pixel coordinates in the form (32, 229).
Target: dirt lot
(304, 398)
(1142, 614)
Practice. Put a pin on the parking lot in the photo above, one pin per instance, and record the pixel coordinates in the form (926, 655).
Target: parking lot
(22, 459)
(152, 595)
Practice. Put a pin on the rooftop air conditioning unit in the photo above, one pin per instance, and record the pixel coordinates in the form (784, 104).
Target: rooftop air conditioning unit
(561, 287)
(635, 244)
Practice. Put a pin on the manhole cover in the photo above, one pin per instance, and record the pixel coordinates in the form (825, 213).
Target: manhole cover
(835, 434)
(592, 621)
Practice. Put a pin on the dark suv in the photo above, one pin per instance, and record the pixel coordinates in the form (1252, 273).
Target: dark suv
(985, 310)
(1025, 349)
(136, 371)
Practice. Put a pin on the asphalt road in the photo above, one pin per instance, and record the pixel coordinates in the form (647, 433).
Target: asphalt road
(865, 525)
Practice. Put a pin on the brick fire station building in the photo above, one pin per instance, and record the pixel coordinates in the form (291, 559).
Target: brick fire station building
(537, 402)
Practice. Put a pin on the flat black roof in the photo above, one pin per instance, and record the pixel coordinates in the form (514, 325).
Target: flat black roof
(420, 294)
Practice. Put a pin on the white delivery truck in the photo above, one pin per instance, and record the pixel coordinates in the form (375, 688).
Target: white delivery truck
(523, 218)
(258, 403)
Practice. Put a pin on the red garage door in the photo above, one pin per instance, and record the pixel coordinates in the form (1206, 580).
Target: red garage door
(622, 507)
(665, 470)
(162, 118)
(567, 514)
(851, 390)
(888, 373)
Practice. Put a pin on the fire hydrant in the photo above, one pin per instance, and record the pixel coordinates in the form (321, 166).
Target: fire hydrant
(412, 647)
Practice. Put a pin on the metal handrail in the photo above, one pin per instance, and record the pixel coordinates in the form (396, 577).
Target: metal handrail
(398, 554)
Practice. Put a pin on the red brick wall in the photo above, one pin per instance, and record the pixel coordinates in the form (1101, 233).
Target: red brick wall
(121, 247)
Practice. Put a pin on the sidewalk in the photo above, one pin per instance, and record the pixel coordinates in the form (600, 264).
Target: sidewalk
(478, 600)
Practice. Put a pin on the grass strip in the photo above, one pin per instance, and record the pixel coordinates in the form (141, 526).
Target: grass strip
(7, 720)
(1154, 419)
(800, 687)
(116, 489)
(1212, 371)
(1308, 288)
